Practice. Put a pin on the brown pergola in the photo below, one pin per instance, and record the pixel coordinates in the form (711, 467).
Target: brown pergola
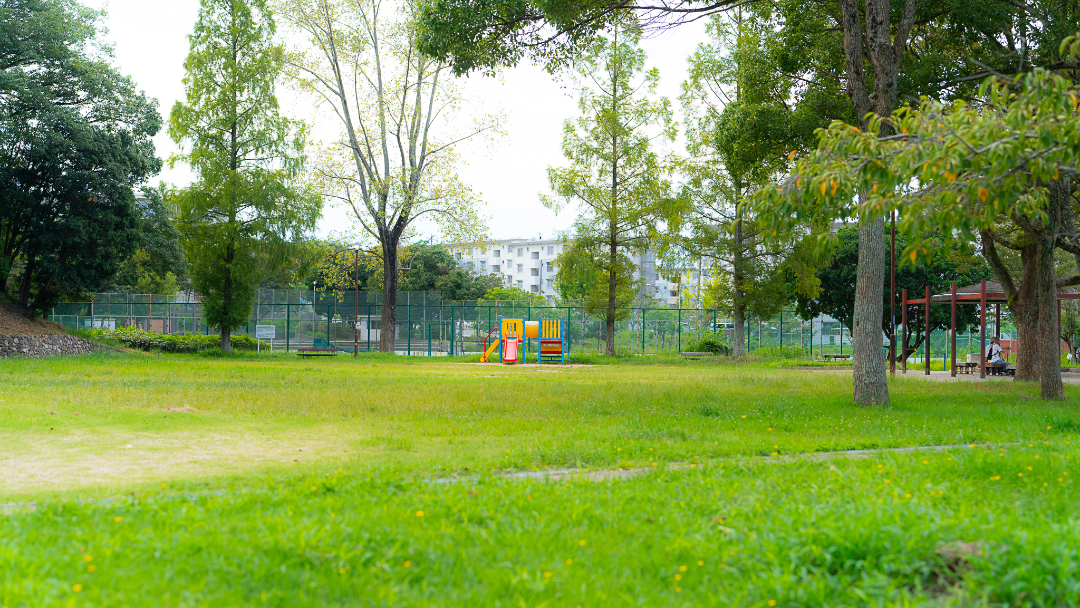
(986, 292)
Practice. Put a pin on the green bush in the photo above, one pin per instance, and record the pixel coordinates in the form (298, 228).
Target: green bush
(171, 343)
(710, 343)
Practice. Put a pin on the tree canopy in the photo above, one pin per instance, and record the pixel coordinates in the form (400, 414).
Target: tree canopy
(247, 211)
(75, 140)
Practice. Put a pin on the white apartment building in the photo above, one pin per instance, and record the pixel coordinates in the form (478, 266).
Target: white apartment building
(529, 264)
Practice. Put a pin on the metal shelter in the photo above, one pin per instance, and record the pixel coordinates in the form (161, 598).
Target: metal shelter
(984, 293)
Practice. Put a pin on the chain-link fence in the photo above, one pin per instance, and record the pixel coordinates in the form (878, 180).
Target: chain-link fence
(427, 325)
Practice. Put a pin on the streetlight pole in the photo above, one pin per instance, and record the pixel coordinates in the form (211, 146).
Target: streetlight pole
(356, 304)
(892, 298)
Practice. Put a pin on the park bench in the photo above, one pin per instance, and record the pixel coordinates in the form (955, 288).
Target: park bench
(690, 355)
(836, 357)
(318, 352)
(967, 367)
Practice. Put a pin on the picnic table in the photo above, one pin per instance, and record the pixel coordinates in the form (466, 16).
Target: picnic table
(967, 367)
(836, 357)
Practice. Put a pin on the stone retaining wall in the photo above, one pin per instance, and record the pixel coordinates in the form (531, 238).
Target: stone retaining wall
(43, 346)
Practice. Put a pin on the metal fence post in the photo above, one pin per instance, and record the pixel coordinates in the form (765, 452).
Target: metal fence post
(680, 329)
(643, 331)
(288, 321)
(781, 334)
(408, 337)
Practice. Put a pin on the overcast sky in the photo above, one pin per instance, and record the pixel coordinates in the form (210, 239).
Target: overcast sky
(150, 39)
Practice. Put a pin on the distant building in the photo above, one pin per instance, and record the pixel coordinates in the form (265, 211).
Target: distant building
(529, 264)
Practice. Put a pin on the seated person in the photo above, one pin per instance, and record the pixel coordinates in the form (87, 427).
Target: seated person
(994, 361)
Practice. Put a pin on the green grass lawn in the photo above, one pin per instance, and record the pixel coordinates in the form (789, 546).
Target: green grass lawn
(309, 483)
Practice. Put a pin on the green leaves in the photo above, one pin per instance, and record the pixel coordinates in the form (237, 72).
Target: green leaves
(248, 210)
(952, 168)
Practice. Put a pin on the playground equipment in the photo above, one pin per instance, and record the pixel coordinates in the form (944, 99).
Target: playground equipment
(512, 333)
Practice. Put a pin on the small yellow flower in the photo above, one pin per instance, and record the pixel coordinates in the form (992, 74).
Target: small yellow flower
(700, 563)
(313, 488)
(678, 589)
(1060, 479)
(333, 515)
(1019, 474)
(744, 415)
(950, 457)
(118, 519)
(164, 485)
(888, 481)
(1037, 458)
(581, 543)
(906, 495)
(1031, 445)
(88, 558)
(339, 469)
(419, 513)
(682, 568)
(76, 587)
(569, 561)
(407, 564)
(678, 577)
(776, 447)
(91, 568)
(1029, 468)
(770, 428)
(1065, 473)
(1048, 428)
(341, 570)
(772, 602)
(618, 449)
(547, 575)
(881, 466)
(926, 462)
(654, 464)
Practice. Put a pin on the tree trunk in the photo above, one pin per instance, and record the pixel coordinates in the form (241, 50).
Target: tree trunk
(609, 320)
(871, 385)
(738, 276)
(227, 297)
(1049, 338)
(388, 322)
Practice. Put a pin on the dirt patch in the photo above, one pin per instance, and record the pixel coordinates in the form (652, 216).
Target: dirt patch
(14, 321)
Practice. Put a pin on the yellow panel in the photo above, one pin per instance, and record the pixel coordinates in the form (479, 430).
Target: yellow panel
(512, 327)
(532, 329)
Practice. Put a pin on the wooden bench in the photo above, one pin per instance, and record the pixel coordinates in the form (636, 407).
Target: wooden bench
(318, 352)
(836, 357)
(697, 355)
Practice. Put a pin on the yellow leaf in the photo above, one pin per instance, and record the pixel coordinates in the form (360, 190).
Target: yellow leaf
(1055, 174)
(912, 257)
(875, 188)
(823, 186)
(834, 186)
(791, 154)
(798, 182)
(1074, 100)
(983, 193)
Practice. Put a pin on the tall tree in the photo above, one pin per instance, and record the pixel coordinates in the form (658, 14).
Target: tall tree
(394, 162)
(75, 139)
(616, 178)
(966, 170)
(739, 128)
(246, 212)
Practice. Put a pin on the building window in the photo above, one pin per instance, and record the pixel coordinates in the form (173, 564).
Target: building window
(534, 272)
(457, 255)
(535, 289)
(519, 267)
(483, 266)
(551, 250)
(495, 269)
(550, 267)
(509, 279)
(536, 255)
(657, 277)
(520, 250)
(373, 324)
(520, 284)
(497, 253)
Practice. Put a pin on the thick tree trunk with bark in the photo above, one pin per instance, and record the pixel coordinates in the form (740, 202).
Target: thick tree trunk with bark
(388, 322)
(871, 386)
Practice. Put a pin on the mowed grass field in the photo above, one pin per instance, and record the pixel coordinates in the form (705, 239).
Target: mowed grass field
(136, 480)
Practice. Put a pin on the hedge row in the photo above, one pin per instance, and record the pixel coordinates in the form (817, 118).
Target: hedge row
(171, 343)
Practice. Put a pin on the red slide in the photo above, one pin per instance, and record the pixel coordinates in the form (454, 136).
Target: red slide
(510, 351)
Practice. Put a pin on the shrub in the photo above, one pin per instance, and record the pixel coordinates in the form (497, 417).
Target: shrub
(710, 343)
(171, 343)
